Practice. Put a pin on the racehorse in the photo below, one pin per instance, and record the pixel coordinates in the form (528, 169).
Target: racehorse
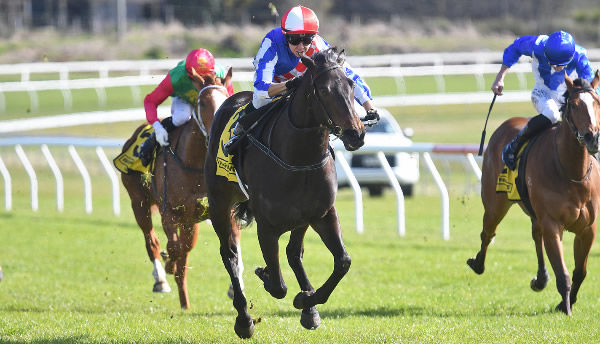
(177, 187)
(291, 184)
(563, 182)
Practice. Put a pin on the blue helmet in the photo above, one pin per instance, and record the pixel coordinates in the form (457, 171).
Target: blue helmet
(560, 48)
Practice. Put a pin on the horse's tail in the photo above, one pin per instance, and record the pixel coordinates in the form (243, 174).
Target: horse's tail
(243, 214)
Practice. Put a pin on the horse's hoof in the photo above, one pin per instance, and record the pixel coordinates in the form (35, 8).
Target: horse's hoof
(300, 299)
(262, 273)
(562, 307)
(244, 328)
(478, 268)
(161, 287)
(310, 318)
(538, 284)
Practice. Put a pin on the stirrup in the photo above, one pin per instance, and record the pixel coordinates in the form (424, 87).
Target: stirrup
(231, 144)
(509, 156)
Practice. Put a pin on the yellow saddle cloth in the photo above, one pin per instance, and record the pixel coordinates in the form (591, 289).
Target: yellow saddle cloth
(224, 162)
(507, 178)
(129, 160)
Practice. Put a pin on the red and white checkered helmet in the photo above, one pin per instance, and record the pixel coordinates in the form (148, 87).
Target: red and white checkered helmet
(200, 61)
(298, 20)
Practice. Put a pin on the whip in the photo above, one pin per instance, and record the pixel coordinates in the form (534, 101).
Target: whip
(485, 125)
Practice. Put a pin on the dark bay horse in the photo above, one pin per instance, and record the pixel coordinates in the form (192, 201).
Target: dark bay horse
(176, 186)
(563, 181)
(291, 183)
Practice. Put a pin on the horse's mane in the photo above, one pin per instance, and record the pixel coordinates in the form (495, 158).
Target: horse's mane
(579, 83)
(328, 57)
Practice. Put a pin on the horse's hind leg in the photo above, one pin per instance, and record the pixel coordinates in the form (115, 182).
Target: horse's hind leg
(141, 204)
(495, 210)
(539, 282)
(310, 318)
(328, 229)
(581, 250)
(222, 222)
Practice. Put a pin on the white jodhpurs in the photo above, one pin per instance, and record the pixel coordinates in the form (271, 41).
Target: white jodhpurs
(181, 111)
(547, 102)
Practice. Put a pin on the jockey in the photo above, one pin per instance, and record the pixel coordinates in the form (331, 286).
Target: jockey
(182, 84)
(552, 56)
(279, 68)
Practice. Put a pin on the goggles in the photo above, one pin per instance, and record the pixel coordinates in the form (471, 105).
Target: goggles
(295, 39)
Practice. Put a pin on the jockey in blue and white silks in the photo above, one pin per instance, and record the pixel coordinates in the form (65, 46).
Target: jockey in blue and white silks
(552, 56)
(279, 67)
(276, 62)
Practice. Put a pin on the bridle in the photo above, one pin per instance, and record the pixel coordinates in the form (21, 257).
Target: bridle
(196, 112)
(330, 124)
(567, 112)
(578, 136)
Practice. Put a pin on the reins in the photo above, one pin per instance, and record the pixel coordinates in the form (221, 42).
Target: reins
(564, 171)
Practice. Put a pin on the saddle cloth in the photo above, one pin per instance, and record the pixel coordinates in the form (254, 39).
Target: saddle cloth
(510, 182)
(225, 162)
(129, 161)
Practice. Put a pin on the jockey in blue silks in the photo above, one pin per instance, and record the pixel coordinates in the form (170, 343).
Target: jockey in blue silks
(279, 68)
(552, 56)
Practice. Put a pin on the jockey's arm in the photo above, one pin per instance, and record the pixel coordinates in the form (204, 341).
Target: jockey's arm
(157, 97)
(368, 105)
(498, 84)
(276, 89)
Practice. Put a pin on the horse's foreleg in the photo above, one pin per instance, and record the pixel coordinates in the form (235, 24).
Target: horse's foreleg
(581, 250)
(310, 318)
(187, 240)
(495, 210)
(271, 274)
(328, 229)
(538, 283)
(554, 250)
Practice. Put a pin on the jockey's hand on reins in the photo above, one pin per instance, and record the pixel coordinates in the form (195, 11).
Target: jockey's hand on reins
(371, 118)
(293, 82)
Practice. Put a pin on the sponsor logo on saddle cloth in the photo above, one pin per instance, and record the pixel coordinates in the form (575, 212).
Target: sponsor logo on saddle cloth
(224, 162)
(129, 160)
(507, 178)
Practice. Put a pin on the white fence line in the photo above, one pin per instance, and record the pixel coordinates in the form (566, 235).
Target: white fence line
(100, 144)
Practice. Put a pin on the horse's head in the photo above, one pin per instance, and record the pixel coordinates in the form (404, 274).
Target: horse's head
(582, 111)
(211, 94)
(333, 93)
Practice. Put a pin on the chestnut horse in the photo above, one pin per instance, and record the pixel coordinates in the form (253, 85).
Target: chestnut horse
(177, 187)
(291, 183)
(563, 182)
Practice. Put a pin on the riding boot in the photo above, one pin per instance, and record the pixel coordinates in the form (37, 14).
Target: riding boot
(245, 120)
(149, 145)
(147, 149)
(535, 125)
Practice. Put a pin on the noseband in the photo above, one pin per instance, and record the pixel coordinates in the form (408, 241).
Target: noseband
(333, 128)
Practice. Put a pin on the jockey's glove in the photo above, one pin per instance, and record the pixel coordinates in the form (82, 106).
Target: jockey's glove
(371, 118)
(161, 134)
(293, 82)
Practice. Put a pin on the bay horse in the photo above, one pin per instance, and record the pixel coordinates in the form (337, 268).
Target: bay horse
(176, 186)
(291, 183)
(563, 182)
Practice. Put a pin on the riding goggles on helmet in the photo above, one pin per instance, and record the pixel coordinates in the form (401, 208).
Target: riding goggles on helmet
(306, 39)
